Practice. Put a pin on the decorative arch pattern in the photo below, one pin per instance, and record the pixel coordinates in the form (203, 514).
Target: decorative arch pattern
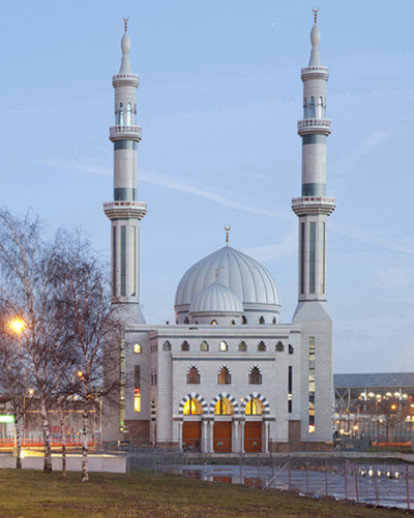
(196, 396)
(231, 398)
(225, 366)
(261, 398)
(255, 366)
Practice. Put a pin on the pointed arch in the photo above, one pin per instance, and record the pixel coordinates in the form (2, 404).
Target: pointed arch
(166, 346)
(255, 375)
(280, 347)
(224, 375)
(121, 115)
(242, 346)
(185, 346)
(193, 375)
(260, 397)
(193, 395)
(228, 396)
(261, 346)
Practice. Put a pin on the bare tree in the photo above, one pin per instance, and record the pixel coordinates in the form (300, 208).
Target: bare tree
(27, 279)
(90, 322)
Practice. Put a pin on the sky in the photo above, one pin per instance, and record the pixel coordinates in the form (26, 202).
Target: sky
(219, 99)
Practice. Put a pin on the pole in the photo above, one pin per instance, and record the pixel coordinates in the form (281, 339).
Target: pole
(356, 482)
(346, 480)
(407, 481)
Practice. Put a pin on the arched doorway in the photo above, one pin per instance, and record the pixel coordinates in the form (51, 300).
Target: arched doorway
(192, 412)
(253, 428)
(222, 428)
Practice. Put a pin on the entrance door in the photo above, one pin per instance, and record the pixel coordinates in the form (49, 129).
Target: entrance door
(222, 436)
(253, 436)
(192, 435)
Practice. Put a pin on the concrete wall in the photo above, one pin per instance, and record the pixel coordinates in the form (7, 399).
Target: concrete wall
(97, 463)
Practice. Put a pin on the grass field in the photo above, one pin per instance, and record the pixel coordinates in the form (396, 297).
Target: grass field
(30, 494)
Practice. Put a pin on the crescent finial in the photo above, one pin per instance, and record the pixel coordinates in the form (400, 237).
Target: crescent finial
(125, 23)
(315, 15)
(227, 229)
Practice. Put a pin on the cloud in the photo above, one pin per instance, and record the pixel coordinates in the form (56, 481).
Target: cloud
(287, 247)
(393, 278)
(375, 138)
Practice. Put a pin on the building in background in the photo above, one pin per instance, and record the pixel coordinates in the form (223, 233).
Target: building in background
(228, 376)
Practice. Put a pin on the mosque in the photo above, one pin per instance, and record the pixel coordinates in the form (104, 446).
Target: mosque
(227, 376)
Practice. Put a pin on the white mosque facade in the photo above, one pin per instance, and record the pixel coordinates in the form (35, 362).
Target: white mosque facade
(227, 376)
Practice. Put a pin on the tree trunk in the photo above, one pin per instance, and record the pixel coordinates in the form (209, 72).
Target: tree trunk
(63, 435)
(46, 436)
(18, 442)
(85, 415)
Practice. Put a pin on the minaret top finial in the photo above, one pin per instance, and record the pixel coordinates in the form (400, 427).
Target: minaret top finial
(126, 23)
(315, 15)
(227, 229)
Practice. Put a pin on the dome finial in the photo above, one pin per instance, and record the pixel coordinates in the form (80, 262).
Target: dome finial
(227, 229)
(126, 23)
(315, 15)
(216, 270)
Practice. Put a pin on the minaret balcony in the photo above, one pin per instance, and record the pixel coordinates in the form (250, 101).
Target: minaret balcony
(313, 205)
(125, 132)
(125, 209)
(314, 73)
(311, 126)
(125, 80)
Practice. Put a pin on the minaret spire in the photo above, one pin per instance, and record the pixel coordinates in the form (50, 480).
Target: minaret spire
(125, 212)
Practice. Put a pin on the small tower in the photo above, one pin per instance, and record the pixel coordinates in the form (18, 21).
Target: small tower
(313, 209)
(125, 212)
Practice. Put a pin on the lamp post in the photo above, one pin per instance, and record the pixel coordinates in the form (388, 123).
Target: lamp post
(17, 326)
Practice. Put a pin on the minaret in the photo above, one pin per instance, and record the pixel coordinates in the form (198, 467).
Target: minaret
(125, 212)
(313, 209)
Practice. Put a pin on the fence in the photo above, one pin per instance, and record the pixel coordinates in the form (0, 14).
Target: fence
(373, 481)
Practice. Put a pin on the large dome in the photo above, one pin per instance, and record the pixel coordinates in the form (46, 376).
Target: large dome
(244, 276)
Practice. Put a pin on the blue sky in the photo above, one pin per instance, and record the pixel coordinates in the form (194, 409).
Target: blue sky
(219, 100)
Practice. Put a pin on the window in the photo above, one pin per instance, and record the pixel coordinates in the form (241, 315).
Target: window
(312, 108)
(223, 346)
(224, 407)
(291, 350)
(214, 323)
(255, 376)
(242, 346)
(193, 376)
(121, 115)
(137, 389)
(261, 320)
(166, 346)
(232, 323)
(186, 321)
(254, 407)
(290, 385)
(204, 346)
(137, 348)
(280, 347)
(261, 346)
(305, 109)
(274, 321)
(185, 346)
(224, 377)
(244, 320)
(128, 114)
(192, 407)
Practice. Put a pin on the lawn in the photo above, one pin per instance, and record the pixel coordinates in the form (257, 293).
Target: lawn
(30, 494)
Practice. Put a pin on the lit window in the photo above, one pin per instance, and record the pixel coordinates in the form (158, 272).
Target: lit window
(224, 407)
(204, 346)
(223, 346)
(192, 407)
(137, 348)
(137, 400)
(254, 407)
(214, 323)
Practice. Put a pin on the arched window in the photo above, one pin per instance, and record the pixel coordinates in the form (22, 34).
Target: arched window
(186, 321)
(204, 346)
(128, 114)
(261, 347)
(223, 407)
(321, 111)
(291, 350)
(242, 346)
(232, 323)
(244, 320)
(261, 320)
(214, 322)
(254, 407)
(223, 346)
(185, 346)
(166, 346)
(137, 348)
(255, 376)
(193, 376)
(274, 321)
(121, 115)
(224, 376)
(280, 347)
(312, 108)
(192, 407)
(305, 109)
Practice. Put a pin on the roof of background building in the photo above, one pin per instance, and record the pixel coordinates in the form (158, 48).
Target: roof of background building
(374, 380)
